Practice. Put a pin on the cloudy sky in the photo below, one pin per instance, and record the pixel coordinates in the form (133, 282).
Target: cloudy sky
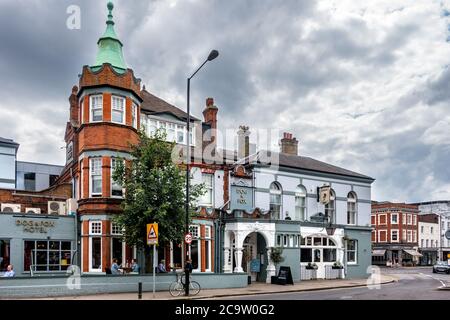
(362, 84)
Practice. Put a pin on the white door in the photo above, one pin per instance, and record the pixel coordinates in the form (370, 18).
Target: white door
(318, 260)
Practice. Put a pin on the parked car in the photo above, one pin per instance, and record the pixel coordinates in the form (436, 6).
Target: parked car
(441, 266)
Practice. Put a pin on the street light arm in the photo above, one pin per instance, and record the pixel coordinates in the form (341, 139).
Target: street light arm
(197, 70)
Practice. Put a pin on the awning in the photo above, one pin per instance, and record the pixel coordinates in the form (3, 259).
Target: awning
(378, 252)
(413, 253)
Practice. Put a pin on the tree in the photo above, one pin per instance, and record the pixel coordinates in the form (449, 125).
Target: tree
(154, 192)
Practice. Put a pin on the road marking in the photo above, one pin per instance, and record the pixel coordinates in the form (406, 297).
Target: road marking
(427, 275)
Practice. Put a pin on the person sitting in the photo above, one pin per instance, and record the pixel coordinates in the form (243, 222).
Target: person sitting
(162, 267)
(134, 266)
(10, 272)
(115, 269)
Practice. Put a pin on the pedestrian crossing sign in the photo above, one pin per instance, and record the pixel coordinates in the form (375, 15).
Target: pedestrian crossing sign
(152, 233)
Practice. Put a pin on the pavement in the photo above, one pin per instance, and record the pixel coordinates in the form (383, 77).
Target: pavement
(253, 289)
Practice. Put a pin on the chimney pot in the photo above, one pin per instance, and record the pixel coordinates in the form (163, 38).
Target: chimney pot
(289, 144)
(209, 102)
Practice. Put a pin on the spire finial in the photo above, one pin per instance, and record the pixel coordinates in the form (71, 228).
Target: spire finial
(110, 7)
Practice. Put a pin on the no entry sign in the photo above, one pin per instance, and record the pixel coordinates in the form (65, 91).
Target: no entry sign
(188, 238)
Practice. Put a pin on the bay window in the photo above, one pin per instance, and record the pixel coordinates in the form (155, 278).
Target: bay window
(118, 110)
(96, 177)
(96, 106)
(134, 115)
(116, 187)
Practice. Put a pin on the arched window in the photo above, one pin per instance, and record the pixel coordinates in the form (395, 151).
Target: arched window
(330, 208)
(351, 208)
(300, 203)
(275, 200)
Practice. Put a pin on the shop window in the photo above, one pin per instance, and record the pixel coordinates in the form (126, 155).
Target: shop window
(5, 251)
(117, 249)
(47, 256)
(305, 255)
(329, 255)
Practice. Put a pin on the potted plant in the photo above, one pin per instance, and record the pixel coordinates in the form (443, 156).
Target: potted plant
(312, 266)
(337, 265)
(276, 255)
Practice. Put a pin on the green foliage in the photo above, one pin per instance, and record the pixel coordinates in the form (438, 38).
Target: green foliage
(276, 255)
(154, 191)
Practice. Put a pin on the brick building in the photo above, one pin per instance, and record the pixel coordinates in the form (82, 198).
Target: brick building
(395, 233)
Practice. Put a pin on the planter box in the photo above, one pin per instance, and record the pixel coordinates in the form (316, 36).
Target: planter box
(334, 272)
(308, 274)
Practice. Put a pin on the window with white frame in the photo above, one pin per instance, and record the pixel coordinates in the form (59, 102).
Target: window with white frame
(207, 248)
(96, 177)
(285, 240)
(275, 200)
(409, 233)
(95, 246)
(180, 134)
(95, 228)
(421, 229)
(300, 203)
(195, 247)
(194, 231)
(116, 187)
(116, 229)
(96, 106)
(152, 127)
(330, 208)
(207, 197)
(171, 129)
(404, 218)
(421, 243)
(134, 114)
(351, 208)
(81, 110)
(279, 240)
(352, 251)
(394, 235)
(394, 218)
(431, 230)
(414, 219)
(414, 236)
(404, 235)
(382, 236)
(118, 110)
(409, 219)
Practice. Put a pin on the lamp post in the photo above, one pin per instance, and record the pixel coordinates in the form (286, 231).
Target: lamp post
(212, 55)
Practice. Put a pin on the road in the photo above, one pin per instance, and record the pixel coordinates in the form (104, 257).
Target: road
(413, 284)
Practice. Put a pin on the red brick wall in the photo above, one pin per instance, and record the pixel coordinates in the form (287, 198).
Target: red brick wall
(108, 136)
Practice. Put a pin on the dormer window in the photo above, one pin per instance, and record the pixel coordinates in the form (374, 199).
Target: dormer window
(96, 106)
(118, 110)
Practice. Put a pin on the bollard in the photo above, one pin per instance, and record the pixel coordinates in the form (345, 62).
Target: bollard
(140, 291)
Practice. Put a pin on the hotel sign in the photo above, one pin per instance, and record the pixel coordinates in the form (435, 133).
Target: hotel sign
(241, 198)
(35, 226)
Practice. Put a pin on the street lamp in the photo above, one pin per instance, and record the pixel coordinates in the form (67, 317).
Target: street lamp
(212, 55)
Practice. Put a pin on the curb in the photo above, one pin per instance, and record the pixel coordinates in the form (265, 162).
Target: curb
(287, 291)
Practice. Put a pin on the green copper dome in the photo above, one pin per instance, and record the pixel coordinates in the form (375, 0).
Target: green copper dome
(110, 47)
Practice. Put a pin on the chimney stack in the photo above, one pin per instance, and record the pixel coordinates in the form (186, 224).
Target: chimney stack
(243, 142)
(289, 145)
(210, 116)
(74, 107)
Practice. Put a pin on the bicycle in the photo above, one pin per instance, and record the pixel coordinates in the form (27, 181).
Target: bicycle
(177, 287)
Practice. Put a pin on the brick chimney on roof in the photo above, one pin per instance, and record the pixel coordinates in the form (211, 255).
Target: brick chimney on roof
(210, 116)
(74, 107)
(289, 145)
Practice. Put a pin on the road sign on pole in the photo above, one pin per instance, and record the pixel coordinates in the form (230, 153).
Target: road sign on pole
(188, 238)
(152, 233)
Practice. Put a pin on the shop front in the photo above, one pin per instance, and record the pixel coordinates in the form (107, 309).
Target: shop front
(37, 244)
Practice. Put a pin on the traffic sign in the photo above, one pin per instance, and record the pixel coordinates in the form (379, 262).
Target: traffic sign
(152, 233)
(188, 238)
